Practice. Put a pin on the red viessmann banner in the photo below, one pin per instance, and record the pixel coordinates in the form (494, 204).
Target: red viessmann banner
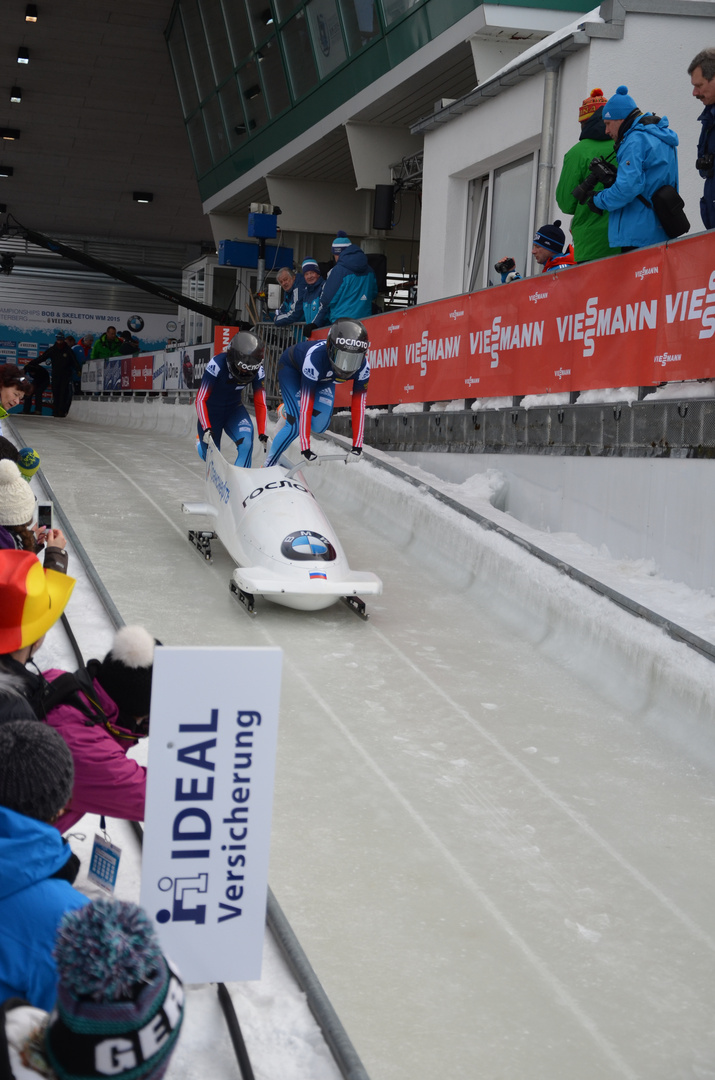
(637, 319)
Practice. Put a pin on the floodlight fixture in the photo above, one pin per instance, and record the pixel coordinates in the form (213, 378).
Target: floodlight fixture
(23, 55)
(16, 94)
(143, 196)
(31, 13)
(9, 134)
(6, 171)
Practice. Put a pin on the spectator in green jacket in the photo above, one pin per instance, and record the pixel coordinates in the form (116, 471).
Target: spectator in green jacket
(107, 345)
(589, 231)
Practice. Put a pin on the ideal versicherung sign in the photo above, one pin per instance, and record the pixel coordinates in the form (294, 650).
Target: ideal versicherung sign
(214, 727)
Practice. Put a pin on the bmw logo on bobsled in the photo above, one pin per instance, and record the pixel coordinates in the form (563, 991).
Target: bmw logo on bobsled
(270, 523)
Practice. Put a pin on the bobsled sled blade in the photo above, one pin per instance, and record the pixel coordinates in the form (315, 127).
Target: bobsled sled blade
(357, 605)
(245, 599)
(201, 540)
(199, 508)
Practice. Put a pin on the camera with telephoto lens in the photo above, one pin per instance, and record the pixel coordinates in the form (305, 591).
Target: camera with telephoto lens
(600, 172)
(704, 165)
(505, 266)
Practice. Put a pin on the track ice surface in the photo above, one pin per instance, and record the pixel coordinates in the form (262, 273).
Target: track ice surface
(494, 873)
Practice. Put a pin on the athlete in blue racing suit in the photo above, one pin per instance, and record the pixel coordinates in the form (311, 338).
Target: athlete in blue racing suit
(219, 402)
(307, 374)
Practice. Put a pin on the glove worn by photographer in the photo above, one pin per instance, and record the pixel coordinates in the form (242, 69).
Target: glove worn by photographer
(592, 206)
(309, 455)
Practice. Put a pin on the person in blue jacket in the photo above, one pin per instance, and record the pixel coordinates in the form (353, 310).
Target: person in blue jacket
(219, 402)
(292, 285)
(37, 867)
(647, 160)
(702, 77)
(307, 374)
(351, 286)
(304, 300)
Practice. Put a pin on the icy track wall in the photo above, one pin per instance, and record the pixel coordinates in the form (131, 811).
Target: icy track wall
(626, 661)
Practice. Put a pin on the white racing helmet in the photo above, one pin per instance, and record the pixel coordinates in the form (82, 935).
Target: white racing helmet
(244, 356)
(347, 345)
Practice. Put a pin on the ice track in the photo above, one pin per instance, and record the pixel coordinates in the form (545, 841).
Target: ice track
(494, 801)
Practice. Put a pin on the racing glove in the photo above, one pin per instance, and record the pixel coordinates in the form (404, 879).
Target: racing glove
(309, 455)
(205, 436)
(308, 329)
(263, 438)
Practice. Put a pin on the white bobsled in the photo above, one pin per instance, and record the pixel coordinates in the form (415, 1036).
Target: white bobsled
(272, 526)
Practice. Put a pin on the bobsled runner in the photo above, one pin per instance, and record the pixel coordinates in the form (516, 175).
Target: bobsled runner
(270, 523)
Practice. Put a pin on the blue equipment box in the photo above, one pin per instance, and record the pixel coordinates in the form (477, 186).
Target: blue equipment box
(264, 226)
(242, 253)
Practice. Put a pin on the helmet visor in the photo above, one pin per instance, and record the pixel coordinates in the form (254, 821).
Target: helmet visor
(346, 363)
(243, 372)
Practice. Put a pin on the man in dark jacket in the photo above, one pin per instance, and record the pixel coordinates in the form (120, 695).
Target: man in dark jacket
(62, 363)
(351, 286)
(702, 76)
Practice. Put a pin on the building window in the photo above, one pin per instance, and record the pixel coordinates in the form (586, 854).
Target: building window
(254, 101)
(270, 66)
(239, 33)
(394, 9)
(327, 34)
(199, 143)
(299, 55)
(198, 49)
(361, 23)
(217, 39)
(498, 225)
(215, 130)
(183, 71)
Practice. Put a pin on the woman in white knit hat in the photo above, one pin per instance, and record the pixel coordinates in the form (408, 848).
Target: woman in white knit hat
(17, 511)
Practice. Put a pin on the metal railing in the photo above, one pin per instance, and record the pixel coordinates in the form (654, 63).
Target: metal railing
(276, 340)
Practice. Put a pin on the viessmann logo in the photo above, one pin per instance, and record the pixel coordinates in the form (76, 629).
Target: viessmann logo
(536, 296)
(456, 314)
(667, 358)
(646, 271)
(393, 327)
(561, 372)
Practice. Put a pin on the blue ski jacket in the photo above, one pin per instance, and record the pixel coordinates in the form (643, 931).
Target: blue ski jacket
(32, 903)
(706, 145)
(647, 159)
(304, 304)
(350, 289)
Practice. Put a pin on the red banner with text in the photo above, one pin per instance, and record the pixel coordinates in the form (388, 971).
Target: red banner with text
(637, 319)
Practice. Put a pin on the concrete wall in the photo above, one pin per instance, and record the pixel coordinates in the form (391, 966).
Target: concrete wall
(640, 508)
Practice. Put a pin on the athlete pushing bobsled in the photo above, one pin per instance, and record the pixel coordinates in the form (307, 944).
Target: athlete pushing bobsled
(219, 402)
(307, 374)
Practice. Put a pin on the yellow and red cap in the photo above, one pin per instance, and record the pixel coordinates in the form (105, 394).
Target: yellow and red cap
(32, 599)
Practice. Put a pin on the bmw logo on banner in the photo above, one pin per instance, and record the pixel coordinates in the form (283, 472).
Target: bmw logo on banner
(305, 545)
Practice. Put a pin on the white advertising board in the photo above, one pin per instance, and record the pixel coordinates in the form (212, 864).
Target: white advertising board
(214, 729)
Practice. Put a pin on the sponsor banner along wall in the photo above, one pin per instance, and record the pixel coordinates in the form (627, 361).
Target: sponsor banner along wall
(26, 330)
(637, 319)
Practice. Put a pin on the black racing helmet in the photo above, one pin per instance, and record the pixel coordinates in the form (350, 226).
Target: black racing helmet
(244, 356)
(347, 344)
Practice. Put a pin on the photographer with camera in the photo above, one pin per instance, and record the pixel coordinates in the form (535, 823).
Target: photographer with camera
(702, 77)
(647, 166)
(506, 268)
(589, 231)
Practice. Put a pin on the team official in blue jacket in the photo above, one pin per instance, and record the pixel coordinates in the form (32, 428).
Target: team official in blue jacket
(304, 299)
(702, 77)
(307, 374)
(351, 286)
(36, 865)
(219, 402)
(647, 160)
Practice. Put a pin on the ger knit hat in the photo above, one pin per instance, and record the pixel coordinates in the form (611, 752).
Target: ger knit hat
(31, 599)
(551, 237)
(341, 241)
(17, 503)
(118, 999)
(619, 106)
(591, 105)
(309, 264)
(125, 673)
(36, 769)
(28, 462)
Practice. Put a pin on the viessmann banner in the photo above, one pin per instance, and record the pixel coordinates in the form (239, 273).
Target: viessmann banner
(634, 320)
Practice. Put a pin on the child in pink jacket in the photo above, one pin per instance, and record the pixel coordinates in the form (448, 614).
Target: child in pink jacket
(106, 781)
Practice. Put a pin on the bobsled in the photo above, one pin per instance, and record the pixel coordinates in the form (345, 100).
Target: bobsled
(272, 526)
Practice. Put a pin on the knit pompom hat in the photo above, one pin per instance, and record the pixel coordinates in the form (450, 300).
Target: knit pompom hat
(125, 673)
(619, 106)
(28, 462)
(591, 105)
(341, 241)
(309, 264)
(36, 769)
(118, 999)
(551, 237)
(17, 503)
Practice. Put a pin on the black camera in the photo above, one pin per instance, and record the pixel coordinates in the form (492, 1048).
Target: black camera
(505, 266)
(704, 165)
(600, 172)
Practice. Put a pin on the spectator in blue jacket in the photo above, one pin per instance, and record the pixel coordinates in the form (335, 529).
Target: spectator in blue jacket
(292, 285)
(647, 160)
(37, 867)
(303, 300)
(351, 286)
(702, 77)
